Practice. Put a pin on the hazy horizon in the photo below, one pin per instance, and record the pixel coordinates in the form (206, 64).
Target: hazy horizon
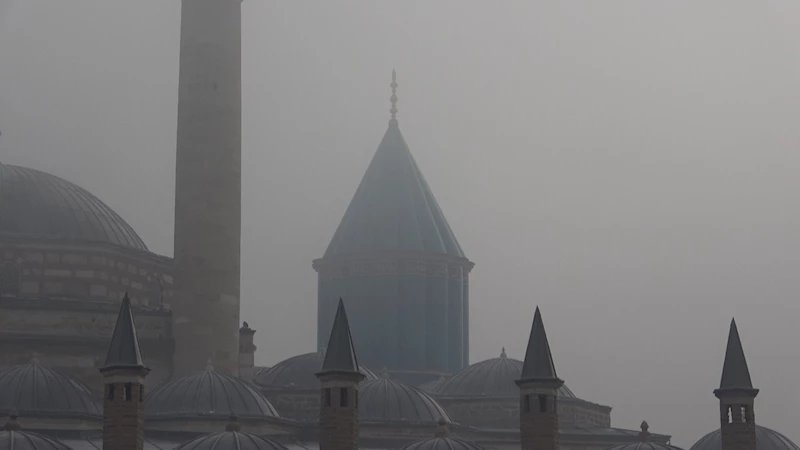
(630, 167)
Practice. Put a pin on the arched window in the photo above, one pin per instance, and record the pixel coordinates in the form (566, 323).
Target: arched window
(9, 279)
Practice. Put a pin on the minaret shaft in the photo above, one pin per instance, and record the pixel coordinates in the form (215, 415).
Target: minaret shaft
(208, 188)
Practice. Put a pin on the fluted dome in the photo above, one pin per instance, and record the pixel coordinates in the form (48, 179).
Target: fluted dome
(231, 440)
(298, 372)
(37, 204)
(36, 390)
(442, 443)
(385, 400)
(766, 439)
(492, 378)
(25, 440)
(207, 394)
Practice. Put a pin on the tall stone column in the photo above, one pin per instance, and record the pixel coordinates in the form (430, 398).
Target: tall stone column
(208, 188)
(736, 398)
(538, 388)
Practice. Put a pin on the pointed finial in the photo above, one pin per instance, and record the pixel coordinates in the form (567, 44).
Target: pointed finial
(644, 435)
(441, 428)
(12, 424)
(385, 373)
(393, 99)
(233, 424)
(503, 353)
(209, 366)
(35, 358)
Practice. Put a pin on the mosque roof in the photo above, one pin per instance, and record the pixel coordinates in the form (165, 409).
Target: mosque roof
(298, 372)
(207, 394)
(35, 390)
(491, 378)
(766, 439)
(124, 349)
(645, 442)
(13, 438)
(442, 443)
(538, 362)
(393, 207)
(40, 205)
(231, 439)
(735, 374)
(385, 400)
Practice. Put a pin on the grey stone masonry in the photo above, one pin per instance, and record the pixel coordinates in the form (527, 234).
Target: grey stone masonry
(208, 188)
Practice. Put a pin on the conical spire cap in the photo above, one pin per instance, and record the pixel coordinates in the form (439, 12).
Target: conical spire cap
(538, 365)
(340, 355)
(735, 374)
(124, 349)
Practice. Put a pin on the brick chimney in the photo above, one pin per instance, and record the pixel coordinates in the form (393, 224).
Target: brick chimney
(123, 375)
(538, 387)
(736, 397)
(339, 379)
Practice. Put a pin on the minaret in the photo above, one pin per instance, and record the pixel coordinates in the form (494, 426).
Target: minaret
(736, 397)
(205, 307)
(124, 374)
(538, 387)
(339, 378)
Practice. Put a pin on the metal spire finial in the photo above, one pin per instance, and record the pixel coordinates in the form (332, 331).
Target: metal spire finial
(209, 365)
(393, 99)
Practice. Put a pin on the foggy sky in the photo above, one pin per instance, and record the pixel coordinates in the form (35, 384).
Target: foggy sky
(631, 167)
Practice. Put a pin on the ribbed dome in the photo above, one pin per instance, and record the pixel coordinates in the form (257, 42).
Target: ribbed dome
(37, 204)
(766, 439)
(644, 446)
(385, 400)
(231, 440)
(298, 372)
(25, 440)
(491, 378)
(36, 390)
(442, 443)
(207, 394)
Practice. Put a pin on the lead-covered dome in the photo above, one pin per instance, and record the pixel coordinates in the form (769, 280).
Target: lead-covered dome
(37, 391)
(491, 378)
(40, 205)
(298, 372)
(25, 440)
(385, 400)
(442, 443)
(207, 394)
(766, 439)
(231, 440)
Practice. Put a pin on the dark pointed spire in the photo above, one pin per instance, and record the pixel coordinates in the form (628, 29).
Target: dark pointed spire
(124, 349)
(538, 360)
(393, 99)
(340, 355)
(735, 374)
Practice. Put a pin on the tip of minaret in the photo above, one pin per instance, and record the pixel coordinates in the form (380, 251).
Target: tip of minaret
(124, 349)
(735, 374)
(538, 363)
(393, 99)
(340, 355)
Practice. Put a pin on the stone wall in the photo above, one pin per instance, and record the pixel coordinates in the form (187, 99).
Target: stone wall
(294, 403)
(504, 412)
(87, 271)
(65, 302)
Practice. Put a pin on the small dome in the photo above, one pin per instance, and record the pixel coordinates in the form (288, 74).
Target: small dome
(492, 378)
(207, 394)
(13, 438)
(230, 440)
(37, 204)
(385, 400)
(298, 372)
(36, 390)
(766, 439)
(644, 442)
(442, 443)
(25, 440)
